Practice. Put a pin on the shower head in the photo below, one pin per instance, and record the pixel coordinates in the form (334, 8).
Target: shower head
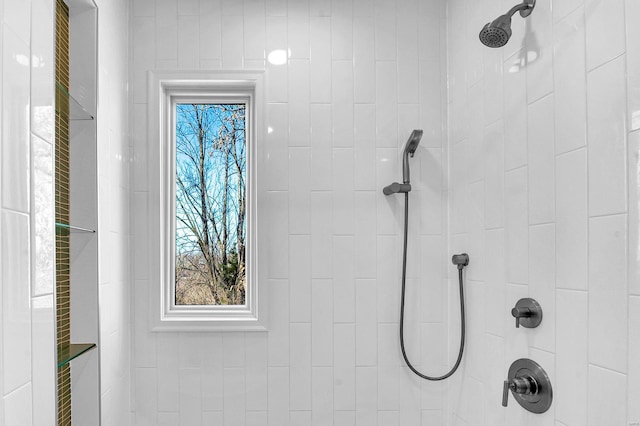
(498, 32)
(412, 143)
(410, 149)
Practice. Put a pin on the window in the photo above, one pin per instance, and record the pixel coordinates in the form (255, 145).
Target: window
(207, 126)
(210, 204)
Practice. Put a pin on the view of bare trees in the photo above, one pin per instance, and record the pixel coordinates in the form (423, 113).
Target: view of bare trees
(210, 204)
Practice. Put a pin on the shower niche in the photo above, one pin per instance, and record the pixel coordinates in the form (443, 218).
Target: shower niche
(76, 216)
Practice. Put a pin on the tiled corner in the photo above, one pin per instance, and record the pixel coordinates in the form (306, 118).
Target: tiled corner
(15, 119)
(515, 113)
(632, 12)
(607, 138)
(539, 51)
(570, 390)
(43, 368)
(605, 31)
(42, 71)
(16, 16)
(570, 88)
(18, 407)
(516, 226)
(633, 390)
(571, 220)
(607, 401)
(16, 300)
(608, 288)
(633, 157)
(541, 152)
(542, 283)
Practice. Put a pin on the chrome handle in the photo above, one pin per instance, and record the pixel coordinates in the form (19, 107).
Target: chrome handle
(521, 313)
(525, 385)
(505, 393)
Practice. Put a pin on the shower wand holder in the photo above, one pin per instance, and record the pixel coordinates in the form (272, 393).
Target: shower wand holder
(409, 149)
(396, 188)
(460, 260)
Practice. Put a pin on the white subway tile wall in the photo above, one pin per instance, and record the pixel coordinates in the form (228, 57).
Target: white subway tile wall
(358, 78)
(27, 335)
(115, 200)
(560, 188)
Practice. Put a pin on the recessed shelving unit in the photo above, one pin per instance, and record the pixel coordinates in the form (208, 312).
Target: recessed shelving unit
(77, 274)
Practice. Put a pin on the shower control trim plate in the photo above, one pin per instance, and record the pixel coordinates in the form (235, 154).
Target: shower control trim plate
(527, 312)
(529, 385)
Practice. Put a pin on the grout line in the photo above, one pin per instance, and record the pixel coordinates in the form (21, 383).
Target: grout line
(611, 370)
(608, 215)
(589, 71)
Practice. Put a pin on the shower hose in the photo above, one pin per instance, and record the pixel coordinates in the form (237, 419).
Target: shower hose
(404, 281)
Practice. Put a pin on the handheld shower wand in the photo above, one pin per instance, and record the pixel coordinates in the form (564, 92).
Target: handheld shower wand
(460, 260)
(409, 150)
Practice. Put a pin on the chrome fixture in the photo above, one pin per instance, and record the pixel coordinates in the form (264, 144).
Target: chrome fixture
(396, 188)
(498, 32)
(409, 150)
(460, 260)
(527, 312)
(529, 385)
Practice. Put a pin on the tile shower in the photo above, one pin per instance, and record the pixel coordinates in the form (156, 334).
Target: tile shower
(529, 163)
(337, 114)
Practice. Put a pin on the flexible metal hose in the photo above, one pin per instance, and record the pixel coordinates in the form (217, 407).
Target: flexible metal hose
(404, 280)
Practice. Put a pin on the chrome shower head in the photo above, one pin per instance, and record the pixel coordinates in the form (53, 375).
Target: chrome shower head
(498, 32)
(412, 143)
(410, 149)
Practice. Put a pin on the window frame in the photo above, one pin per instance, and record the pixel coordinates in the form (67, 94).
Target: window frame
(166, 90)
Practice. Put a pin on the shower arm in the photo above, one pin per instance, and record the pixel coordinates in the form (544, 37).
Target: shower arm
(525, 8)
(514, 9)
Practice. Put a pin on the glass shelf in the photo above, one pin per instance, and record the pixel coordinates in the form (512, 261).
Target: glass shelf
(76, 110)
(67, 353)
(70, 228)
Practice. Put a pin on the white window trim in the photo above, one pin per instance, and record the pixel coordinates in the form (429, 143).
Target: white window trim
(165, 89)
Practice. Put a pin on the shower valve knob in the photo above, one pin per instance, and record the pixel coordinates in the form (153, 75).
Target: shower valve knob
(527, 313)
(505, 393)
(530, 386)
(525, 385)
(521, 313)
